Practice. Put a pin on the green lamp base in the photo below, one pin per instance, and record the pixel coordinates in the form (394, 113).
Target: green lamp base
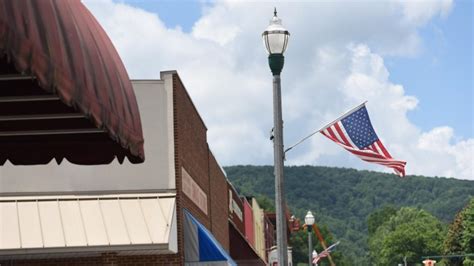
(276, 62)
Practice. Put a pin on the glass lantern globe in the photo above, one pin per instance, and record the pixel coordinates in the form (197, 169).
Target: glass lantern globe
(309, 218)
(275, 37)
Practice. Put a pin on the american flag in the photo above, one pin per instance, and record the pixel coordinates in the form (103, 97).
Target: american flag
(324, 253)
(355, 133)
(321, 255)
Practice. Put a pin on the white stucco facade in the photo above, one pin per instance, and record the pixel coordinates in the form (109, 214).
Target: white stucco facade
(157, 173)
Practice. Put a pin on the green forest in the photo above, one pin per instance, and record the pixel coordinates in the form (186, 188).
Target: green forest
(362, 209)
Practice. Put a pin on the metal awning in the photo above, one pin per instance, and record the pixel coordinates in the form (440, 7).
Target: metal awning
(48, 225)
(64, 91)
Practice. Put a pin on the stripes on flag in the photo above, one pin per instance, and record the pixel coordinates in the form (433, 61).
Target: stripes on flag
(317, 258)
(324, 253)
(354, 132)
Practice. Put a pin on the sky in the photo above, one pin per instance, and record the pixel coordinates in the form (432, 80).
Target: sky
(411, 60)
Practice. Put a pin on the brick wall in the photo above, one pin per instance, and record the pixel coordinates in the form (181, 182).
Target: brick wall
(191, 148)
(194, 156)
(219, 203)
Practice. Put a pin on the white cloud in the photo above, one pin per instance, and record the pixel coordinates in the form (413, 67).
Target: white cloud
(210, 27)
(334, 61)
(452, 159)
(421, 11)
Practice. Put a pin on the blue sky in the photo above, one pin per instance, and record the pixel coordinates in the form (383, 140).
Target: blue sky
(182, 13)
(411, 60)
(441, 77)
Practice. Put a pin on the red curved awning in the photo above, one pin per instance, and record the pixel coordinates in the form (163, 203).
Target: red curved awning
(68, 55)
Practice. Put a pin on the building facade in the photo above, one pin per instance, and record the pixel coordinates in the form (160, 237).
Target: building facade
(249, 222)
(180, 170)
(259, 229)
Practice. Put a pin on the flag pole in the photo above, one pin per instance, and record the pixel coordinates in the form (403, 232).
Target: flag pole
(299, 142)
(344, 115)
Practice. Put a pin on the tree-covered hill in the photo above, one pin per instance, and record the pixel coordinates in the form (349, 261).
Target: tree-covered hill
(342, 199)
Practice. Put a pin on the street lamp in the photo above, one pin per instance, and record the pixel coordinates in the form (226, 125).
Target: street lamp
(275, 38)
(309, 221)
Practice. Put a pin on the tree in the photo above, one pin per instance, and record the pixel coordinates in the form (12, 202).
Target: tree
(467, 239)
(265, 203)
(460, 236)
(410, 233)
(378, 217)
(452, 243)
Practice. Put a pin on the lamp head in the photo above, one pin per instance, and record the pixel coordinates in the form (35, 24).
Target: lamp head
(309, 218)
(275, 37)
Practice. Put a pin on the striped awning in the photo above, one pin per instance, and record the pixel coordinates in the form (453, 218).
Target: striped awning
(45, 225)
(64, 91)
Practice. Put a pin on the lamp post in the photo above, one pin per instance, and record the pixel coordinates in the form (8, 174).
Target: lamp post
(309, 221)
(275, 38)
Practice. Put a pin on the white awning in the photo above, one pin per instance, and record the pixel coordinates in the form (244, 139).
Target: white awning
(126, 223)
